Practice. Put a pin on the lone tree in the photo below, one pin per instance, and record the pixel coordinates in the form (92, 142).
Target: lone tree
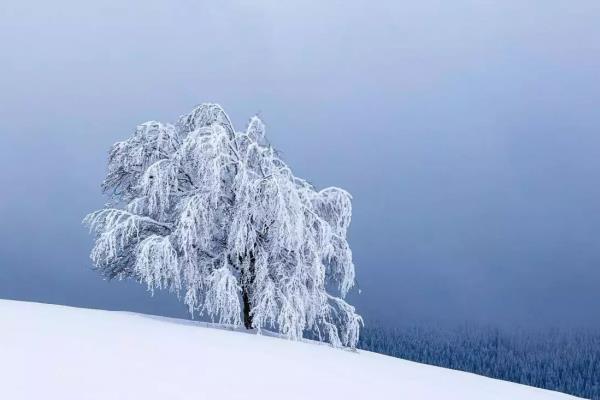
(217, 217)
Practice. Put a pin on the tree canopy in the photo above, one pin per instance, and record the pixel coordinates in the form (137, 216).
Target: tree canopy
(217, 217)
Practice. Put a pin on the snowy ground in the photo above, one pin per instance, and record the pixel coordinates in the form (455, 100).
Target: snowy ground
(55, 352)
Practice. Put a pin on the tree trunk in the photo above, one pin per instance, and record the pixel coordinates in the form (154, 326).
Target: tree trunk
(247, 316)
(247, 283)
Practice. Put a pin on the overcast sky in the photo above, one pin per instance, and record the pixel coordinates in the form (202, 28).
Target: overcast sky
(468, 133)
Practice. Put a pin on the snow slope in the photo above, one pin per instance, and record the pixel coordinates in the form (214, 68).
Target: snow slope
(57, 352)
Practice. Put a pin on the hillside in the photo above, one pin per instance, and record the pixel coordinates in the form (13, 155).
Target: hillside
(57, 352)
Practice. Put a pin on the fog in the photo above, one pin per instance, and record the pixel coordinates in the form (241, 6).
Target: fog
(468, 133)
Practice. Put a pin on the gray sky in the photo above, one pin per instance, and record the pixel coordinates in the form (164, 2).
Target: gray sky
(467, 131)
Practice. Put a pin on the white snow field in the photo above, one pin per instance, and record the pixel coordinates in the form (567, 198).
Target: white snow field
(55, 352)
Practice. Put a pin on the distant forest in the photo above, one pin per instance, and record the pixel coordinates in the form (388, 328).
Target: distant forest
(567, 362)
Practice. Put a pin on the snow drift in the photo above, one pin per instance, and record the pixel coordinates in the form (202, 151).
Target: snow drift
(57, 352)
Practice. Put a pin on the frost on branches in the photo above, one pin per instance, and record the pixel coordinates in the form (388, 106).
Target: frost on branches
(217, 217)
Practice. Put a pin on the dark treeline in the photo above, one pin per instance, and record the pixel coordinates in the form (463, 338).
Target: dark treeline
(563, 361)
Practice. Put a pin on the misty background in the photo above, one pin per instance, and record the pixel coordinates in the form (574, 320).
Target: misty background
(467, 132)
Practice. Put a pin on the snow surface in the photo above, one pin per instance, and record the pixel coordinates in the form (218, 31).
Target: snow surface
(58, 352)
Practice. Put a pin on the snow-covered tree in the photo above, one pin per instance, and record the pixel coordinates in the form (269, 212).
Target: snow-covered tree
(217, 217)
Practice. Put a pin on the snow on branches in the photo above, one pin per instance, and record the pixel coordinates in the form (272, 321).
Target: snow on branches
(218, 217)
